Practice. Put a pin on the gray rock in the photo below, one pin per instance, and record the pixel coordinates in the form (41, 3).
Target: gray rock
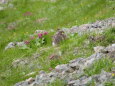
(102, 77)
(97, 27)
(20, 44)
(14, 44)
(62, 67)
(73, 72)
(110, 48)
(5, 4)
(12, 26)
(99, 79)
(82, 63)
(3, 1)
(30, 80)
(10, 45)
(20, 62)
(23, 83)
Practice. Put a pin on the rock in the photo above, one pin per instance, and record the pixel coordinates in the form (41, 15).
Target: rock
(80, 82)
(3, 1)
(26, 83)
(98, 49)
(23, 83)
(76, 64)
(14, 44)
(99, 79)
(20, 44)
(19, 62)
(42, 72)
(73, 73)
(76, 50)
(43, 78)
(113, 24)
(5, 4)
(12, 26)
(111, 55)
(81, 63)
(30, 80)
(102, 77)
(110, 48)
(97, 27)
(96, 38)
(113, 45)
(36, 55)
(62, 67)
(10, 45)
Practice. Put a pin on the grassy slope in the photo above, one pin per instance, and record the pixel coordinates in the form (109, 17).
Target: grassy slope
(63, 13)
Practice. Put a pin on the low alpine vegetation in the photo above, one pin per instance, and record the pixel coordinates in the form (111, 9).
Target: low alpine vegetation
(28, 29)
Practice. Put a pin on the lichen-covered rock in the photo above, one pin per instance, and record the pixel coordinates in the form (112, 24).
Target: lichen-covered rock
(62, 67)
(80, 82)
(14, 44)
(3, 1)
(20, 62)
(20, 44)
(68, 72)
(98, 27)
(5, 4)
(73, 72)
(10, 45)
(102, 77)
(110, 48)
(12, 26)
(98, 49)
(99, 79)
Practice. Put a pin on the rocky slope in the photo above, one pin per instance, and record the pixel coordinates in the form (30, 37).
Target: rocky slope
(73, 73)
(96, 27)
(4, 4)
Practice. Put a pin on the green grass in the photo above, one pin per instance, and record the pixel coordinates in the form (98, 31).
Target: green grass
(57, 83)
(107, 38)
(104, 63)
(63, 13)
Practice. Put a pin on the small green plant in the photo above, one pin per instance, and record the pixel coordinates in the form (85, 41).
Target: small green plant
(109, 84)
(36, 41)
